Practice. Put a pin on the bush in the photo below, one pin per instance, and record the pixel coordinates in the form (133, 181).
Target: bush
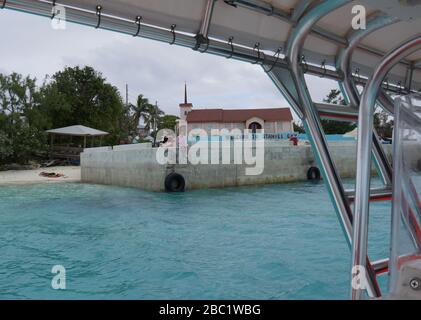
(6, 148)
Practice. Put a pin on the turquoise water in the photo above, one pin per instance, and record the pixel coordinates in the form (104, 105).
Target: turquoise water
(266, 242)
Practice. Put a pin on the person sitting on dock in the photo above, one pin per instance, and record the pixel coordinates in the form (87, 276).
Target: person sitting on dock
(294, 139)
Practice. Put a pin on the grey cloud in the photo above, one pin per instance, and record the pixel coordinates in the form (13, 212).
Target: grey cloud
(154, 69)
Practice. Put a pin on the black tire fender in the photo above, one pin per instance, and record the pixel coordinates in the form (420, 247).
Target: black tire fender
(313, 174)
(175, 182)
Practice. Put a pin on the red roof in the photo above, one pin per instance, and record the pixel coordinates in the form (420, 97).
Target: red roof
(242, 115)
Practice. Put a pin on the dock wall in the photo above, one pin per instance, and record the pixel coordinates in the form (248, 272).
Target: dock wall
(136, 166)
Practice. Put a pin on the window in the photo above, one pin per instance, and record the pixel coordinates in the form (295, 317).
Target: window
(254, 126)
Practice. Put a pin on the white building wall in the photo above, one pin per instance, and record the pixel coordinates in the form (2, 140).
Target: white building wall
(270, 126)
(285, 126)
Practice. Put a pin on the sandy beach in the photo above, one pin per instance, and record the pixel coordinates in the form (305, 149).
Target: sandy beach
(71, 174)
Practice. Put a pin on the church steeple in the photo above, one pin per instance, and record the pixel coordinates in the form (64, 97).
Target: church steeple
(185, 107)
(185, 93)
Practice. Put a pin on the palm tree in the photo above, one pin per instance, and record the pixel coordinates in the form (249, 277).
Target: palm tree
(140, 110)
(150, 113)
(154, 115)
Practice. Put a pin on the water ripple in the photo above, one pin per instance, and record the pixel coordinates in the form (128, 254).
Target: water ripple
(266, 242)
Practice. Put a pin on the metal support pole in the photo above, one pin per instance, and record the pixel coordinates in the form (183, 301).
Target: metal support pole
(409, 77)
(311, 119)
(267, 9)
(300, 9)
(365, 124)
(283, 81)
(387, 103)
(345, 55)
(344, 64)
(202, 36)
(204, 28)
(313, 126)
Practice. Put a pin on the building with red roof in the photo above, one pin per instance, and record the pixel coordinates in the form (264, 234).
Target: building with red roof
(273, 120)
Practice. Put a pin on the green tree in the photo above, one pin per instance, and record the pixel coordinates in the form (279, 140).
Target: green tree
(20, 137)
(167, 122)
(82, 96)
(6, 144)
(153, 116)
(383, 123)
(138, 111)
(298, 127)
(333, 126)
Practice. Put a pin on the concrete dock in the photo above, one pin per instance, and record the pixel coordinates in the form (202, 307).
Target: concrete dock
(137, 166)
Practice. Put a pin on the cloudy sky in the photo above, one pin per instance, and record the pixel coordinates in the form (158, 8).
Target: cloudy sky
(157, 70)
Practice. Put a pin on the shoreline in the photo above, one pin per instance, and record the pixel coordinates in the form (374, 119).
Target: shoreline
(72, 174)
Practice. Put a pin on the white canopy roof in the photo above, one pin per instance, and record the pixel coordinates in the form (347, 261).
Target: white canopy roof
(253, 21)
(78, 131)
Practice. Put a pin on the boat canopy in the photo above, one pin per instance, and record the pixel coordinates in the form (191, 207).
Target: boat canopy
(263, 23)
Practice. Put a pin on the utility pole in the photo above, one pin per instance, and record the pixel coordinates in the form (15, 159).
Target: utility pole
(127, 95)
(154, 117)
